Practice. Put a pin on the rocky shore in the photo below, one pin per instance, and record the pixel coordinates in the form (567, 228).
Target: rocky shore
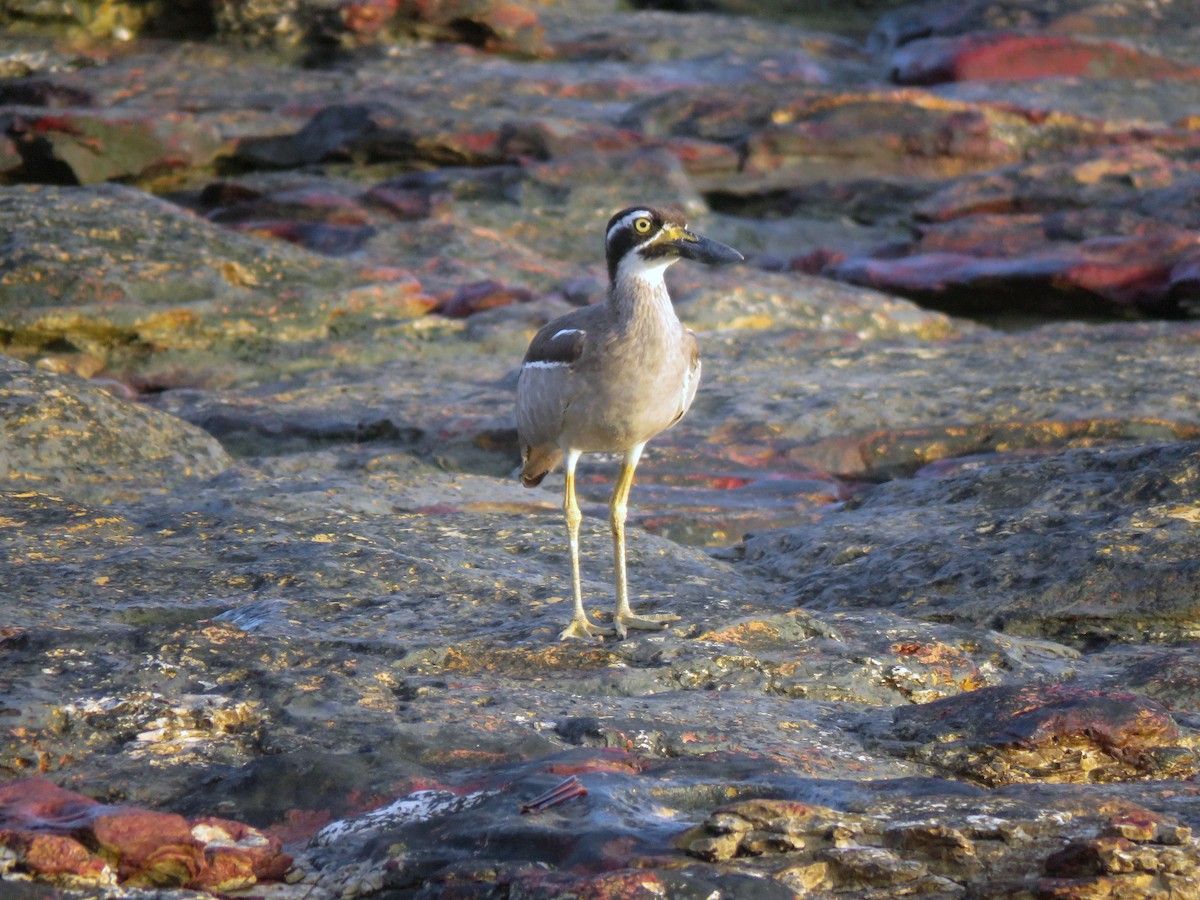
(276, 618)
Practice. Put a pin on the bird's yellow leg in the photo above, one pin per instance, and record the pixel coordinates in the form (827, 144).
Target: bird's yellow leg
(581, 627)
(624, 617)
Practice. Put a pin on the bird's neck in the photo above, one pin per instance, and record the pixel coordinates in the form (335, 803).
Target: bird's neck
(639, 299)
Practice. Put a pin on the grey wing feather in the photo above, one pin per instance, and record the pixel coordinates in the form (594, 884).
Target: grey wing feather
(692, 379)
(544, 383)
(541, 399)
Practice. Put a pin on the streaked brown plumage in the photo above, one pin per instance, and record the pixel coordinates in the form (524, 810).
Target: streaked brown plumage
(608, 377)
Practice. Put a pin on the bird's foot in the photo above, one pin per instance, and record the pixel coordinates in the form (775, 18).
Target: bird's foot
(622, 623)
(583, 629)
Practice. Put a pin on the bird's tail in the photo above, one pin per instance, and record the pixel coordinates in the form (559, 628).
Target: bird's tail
(539, 462)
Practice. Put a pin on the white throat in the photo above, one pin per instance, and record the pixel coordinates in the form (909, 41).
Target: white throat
(647, 272)
(641, 292)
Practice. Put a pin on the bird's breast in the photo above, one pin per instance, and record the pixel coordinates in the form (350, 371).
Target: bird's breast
(629, 393)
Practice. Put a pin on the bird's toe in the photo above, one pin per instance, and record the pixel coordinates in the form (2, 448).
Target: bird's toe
(643, 623)
(584, 630)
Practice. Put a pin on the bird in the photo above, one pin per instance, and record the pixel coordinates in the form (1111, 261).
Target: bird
(608, 377)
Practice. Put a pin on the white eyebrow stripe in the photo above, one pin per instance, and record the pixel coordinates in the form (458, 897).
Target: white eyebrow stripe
(625, 220)
(559, 334)
(543, 364)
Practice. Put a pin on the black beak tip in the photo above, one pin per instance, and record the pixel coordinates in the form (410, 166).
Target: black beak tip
(733, 256)
(710, 252)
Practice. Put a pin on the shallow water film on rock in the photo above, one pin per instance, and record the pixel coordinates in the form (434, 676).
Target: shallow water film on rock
(277, 618)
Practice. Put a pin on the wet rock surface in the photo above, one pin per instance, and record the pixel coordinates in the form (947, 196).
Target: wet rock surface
(276, 618)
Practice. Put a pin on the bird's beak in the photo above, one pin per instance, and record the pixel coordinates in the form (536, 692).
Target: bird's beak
(694, 246)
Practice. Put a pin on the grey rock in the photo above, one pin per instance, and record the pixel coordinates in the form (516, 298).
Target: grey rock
(1092, 545)
(66, 436)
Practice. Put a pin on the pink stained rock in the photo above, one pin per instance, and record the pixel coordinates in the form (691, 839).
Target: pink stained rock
(40, 805)
(60, 834)
(1120, 274)
(1006, 56)
(480, 295)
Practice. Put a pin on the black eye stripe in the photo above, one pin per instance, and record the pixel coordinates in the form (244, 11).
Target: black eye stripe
(623, 234)
(626, 221)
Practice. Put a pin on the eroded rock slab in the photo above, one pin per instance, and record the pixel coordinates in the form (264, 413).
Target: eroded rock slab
(1114, 525)
(955, 655)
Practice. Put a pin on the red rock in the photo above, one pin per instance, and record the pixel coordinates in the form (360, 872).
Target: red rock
(148, 847)
(52, 829)
(54, 855)
(816, 261)
(226, 870)
(606, 759)
(300, 825)
(1135, 823)
(264, 851)
(700, 158)
(34, 803)
(1101, 275)
(481, 295)
(1009, 56)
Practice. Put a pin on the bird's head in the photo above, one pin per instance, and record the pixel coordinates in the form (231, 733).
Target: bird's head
(642, 239)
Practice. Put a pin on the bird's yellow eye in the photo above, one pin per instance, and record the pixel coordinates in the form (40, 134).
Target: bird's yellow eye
(642, 225)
